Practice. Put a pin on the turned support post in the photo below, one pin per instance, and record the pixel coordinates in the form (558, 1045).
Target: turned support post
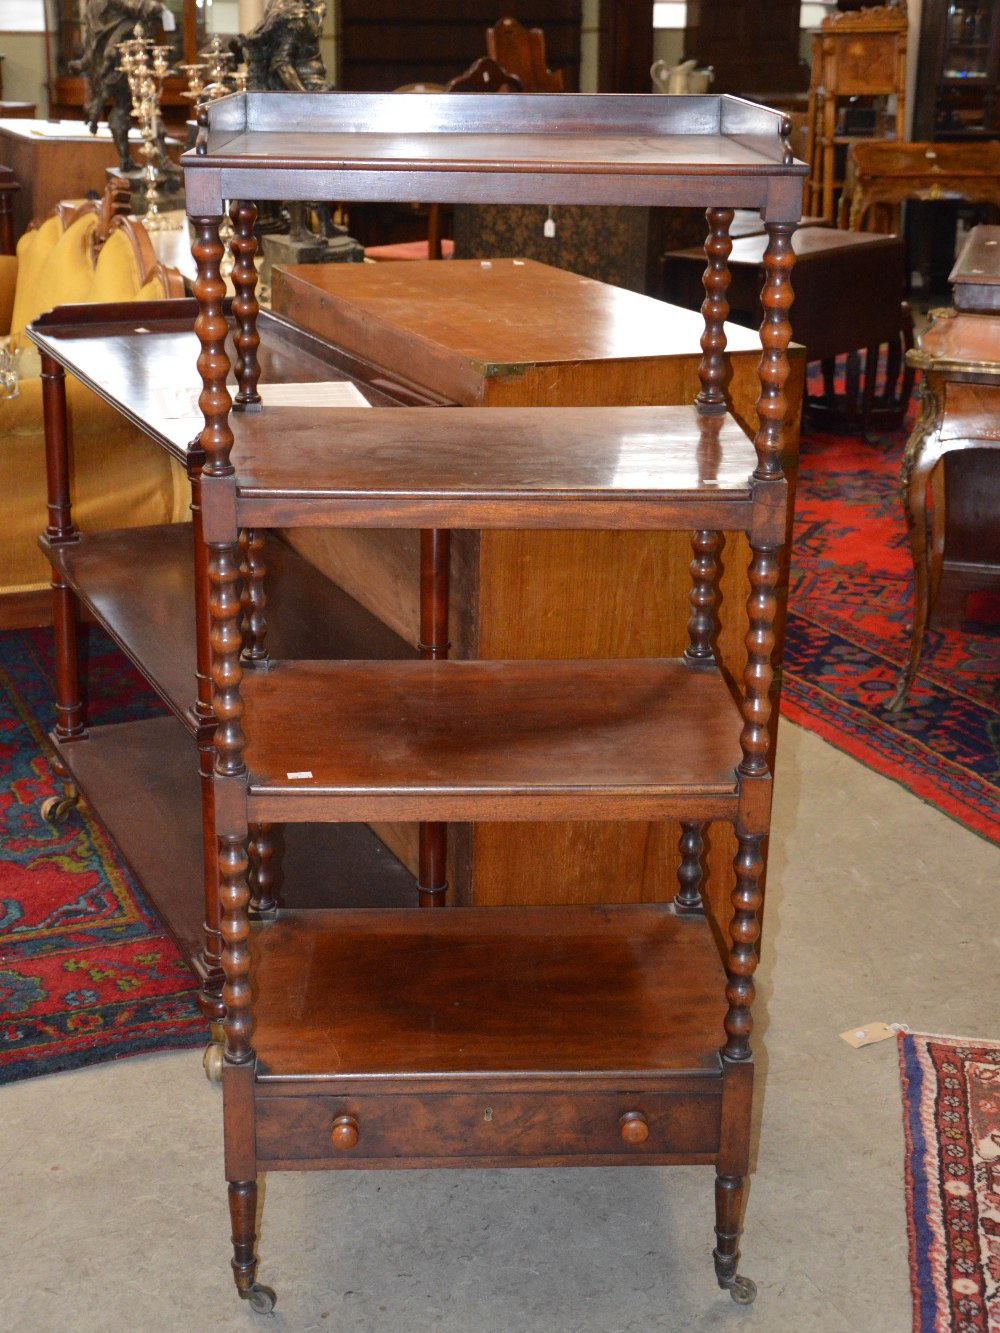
(243, 215)
(432, 855)
(714, 310)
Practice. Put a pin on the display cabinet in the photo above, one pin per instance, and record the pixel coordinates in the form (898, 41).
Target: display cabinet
(958, 70)
(399, 1037)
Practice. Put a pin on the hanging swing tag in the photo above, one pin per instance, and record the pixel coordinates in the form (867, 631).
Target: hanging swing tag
(549, 227)
(869, 1033)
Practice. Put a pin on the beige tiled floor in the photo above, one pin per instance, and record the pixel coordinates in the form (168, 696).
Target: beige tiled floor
(114, 1215)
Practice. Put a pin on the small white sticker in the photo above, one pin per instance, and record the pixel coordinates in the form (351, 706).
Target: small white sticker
(871, 1033)
(293, 777)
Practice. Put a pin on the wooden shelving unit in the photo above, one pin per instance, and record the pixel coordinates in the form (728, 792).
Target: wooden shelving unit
(508, 1036)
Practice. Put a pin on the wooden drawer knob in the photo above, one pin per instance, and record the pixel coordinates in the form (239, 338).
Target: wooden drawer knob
(634, 1127)
(344, 1132)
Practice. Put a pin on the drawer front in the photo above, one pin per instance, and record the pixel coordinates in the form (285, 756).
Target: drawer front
(339, 1131)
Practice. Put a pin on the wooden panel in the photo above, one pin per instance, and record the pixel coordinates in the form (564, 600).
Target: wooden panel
(540, 992)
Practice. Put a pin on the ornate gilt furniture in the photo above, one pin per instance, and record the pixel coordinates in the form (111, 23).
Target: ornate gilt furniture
(958, 355)
(884, 175)
(857, 53)
(567, 1035)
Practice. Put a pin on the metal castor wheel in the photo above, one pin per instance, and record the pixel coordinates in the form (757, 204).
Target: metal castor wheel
(743, 1290)
(55, 809)
(212, 1063)
(261, 1298)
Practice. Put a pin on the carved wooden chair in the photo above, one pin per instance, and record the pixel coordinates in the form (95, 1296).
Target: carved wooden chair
(483, 76)
(522, 51)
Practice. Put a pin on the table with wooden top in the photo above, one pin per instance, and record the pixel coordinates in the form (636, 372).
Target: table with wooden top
(517, 333)
(52, 161)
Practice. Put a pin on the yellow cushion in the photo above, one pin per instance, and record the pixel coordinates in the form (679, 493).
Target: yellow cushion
(118, 477)
(116, 277)
(54, 267)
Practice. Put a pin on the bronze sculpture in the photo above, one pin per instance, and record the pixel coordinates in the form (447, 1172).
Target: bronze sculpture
(282, 50)
(107, 23)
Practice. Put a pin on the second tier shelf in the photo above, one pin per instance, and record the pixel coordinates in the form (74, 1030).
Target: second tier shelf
(461, 740)
(593, 467)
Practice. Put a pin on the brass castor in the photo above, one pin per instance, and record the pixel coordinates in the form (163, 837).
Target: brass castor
(261, 1298)
(55, 809)
(212, 1062)
(743, 1290)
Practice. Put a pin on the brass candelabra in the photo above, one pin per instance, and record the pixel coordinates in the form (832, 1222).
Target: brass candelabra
(146, 65)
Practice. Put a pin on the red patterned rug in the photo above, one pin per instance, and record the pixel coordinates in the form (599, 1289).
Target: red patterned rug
(951, 1115)
(848, 637)
(87, 972)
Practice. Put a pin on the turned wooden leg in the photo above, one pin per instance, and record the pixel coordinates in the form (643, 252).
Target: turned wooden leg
(730, 1180)
(243, 1214)
(690, 871)
(435, 547)
(263, 903)
(868, 388)
(728, 1211)
(715, 310)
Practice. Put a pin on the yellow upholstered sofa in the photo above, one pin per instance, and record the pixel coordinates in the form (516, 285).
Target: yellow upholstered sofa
(92, 252)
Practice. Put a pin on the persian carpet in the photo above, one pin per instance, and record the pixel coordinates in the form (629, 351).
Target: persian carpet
(951, 1117)
(848, 636)
(87, 973)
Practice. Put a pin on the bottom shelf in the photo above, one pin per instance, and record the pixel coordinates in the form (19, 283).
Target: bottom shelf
(485, 1036)
(141, 780)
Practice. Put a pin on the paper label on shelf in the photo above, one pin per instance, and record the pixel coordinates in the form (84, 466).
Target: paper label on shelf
(181, 402)
(292, 776)
(869, 1033)
(324, 393)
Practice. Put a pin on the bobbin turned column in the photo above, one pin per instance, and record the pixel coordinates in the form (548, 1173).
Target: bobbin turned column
(432, 854)
(225, 608)
(753, 772)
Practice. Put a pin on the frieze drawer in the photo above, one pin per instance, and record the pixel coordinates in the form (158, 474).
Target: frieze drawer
(539, 1127)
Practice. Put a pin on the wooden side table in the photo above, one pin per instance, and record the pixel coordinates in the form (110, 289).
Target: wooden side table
(975, 279)
(960, 395)
(848, 296)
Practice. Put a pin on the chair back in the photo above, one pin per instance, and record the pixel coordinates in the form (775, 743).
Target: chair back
(522, 51)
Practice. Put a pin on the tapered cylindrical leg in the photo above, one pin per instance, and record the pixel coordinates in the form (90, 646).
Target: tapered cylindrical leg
(243, 1214)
